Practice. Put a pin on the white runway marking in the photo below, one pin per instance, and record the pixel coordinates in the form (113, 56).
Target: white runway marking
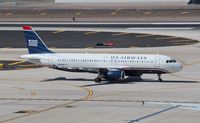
(191, 106)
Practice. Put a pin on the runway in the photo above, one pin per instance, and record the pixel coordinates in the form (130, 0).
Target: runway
(47, 95)
(91, 39)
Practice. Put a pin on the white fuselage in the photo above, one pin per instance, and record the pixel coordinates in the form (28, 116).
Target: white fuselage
(164, 64)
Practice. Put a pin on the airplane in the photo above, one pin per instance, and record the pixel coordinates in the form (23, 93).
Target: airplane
(107, 66)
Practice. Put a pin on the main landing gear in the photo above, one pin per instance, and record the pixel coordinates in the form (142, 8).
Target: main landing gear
(97, 80)
(159, 78)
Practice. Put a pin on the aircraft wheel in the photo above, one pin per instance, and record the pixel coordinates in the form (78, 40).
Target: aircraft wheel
(160, 80)
(97, 80)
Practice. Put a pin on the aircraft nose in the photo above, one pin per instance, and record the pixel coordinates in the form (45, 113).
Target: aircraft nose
(180, 66)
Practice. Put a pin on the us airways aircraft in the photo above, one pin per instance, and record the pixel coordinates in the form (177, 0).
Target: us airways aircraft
(107, 66)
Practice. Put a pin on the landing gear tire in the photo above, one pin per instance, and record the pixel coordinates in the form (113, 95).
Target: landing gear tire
(97, 80)
(159, 78)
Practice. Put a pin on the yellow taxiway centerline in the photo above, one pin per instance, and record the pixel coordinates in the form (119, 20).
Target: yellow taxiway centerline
(163, 38)
(140, 36)
(1, 66)
(90, 93)
(121, 33)
(18, 62)
(7, 14)
(176, 41)
(59, 31)
(88, 33)
(43, 13)
(28, 65)
(113, 13)
(78, 13)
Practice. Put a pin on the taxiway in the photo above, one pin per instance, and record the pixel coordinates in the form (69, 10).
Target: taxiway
(47, 95)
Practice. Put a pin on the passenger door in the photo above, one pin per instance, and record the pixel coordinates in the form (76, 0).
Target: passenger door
(157, 61)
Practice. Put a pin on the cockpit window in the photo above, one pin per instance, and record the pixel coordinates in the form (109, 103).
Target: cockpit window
(171, 61)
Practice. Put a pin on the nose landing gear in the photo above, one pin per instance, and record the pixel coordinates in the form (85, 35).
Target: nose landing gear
(159, 78)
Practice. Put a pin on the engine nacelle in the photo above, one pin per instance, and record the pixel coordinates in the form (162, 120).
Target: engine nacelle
(114, 74)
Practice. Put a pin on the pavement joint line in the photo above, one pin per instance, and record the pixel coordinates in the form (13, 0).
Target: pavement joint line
(154, 114)
(90, 93)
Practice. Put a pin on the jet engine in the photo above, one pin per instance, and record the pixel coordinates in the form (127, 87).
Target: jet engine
(114, 74)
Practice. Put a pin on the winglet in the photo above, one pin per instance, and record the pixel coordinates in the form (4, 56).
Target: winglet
(26, 27)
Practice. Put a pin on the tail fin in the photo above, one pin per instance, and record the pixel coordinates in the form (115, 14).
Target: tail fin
(34, 43)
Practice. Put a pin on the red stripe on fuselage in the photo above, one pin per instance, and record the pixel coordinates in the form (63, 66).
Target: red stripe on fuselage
(26, 27)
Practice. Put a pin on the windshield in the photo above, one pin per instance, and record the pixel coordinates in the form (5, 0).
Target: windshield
(171, 61)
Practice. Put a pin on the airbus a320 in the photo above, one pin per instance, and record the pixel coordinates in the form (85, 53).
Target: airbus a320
(107, 66)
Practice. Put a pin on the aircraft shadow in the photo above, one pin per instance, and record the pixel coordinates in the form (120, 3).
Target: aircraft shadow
(132, 80)
(129, 80)
(64, 78)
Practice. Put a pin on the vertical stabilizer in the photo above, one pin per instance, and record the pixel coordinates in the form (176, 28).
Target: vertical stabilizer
(34, 43)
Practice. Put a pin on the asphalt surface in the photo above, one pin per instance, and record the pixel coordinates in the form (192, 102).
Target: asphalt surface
(47, 95)
(82, 39)
(105, 24)
(100, 15)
